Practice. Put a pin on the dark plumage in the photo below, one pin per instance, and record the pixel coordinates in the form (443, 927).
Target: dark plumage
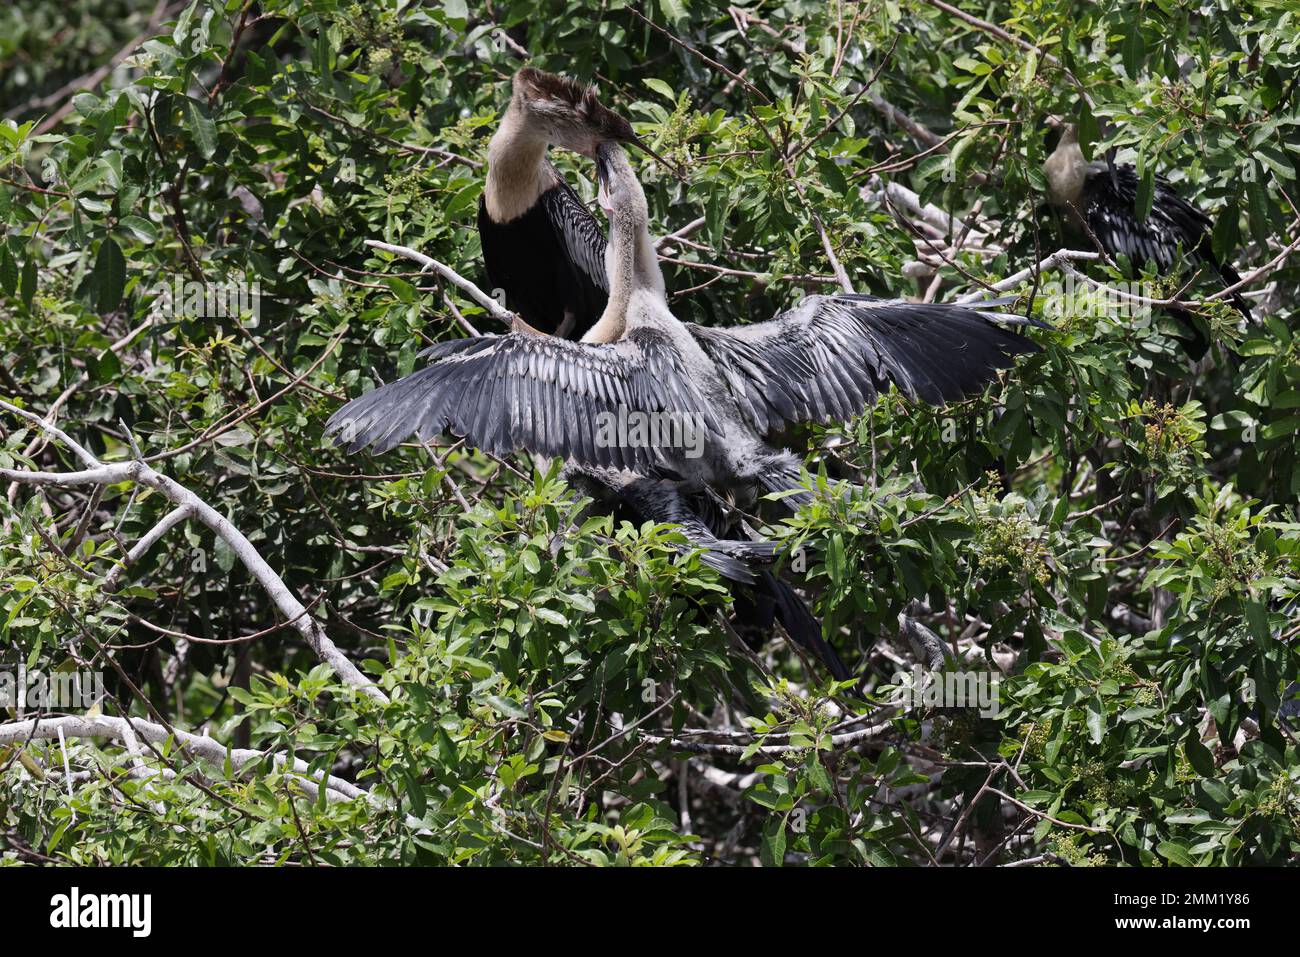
(638, 498)
(527, 392)
(1101, 201)
(549, 262)
(830, 357)
(826, 359)
(1173, 226)
(772, 600)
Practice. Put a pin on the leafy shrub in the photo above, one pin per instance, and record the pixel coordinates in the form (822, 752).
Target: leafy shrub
(1112, 529)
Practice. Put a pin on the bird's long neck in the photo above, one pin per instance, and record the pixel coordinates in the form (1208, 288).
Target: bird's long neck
(631, 262)
(517, 172)
(1066, 171)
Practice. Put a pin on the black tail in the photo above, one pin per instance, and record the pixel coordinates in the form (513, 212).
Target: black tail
(732, 558)
(800, 625)
(727, 566)
(1232, 277)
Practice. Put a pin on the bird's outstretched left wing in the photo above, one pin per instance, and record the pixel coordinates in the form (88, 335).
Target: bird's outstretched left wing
(539, 393)
(830, 357)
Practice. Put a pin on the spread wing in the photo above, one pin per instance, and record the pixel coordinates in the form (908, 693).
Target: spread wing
(538, 393)
(831, 356)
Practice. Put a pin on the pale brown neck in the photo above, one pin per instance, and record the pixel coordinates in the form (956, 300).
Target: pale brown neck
(620, 266)
(517, 172)
(1066, 171)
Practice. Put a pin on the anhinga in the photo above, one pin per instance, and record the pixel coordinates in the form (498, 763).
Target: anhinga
(1100, 201)
(541, 244)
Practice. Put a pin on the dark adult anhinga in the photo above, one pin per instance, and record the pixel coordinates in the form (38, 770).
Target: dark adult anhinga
(826, 359)
(541, 244)
(1099, 200)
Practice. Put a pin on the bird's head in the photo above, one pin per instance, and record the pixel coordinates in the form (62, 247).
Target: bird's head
(569, 115)
(619, 189)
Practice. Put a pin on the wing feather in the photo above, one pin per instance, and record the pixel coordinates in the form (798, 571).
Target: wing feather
(831, 356)
(522, 391)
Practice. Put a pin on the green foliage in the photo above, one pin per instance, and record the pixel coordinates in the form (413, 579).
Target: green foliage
(1112, 528)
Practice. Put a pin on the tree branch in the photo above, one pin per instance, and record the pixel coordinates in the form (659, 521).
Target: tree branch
(139, 472)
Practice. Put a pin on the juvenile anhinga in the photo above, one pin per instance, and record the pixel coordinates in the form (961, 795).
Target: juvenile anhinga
(826, 359)
(541, 244)
(550, 262)
(1100, 202)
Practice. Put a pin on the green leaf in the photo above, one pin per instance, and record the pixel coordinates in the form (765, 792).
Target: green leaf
(1227, 234)
(1146, 190)
(1096, 720)
(1089, 130)
(662, 88)
(673, 10)
(551, 615)
(1257, 618)
(1134, 49)
(87, 104)
(1199, 756)
(203, 128)
(139, 227)
(27, 286)
(772, 850)
(1175, 853)
(1258, 211)
(109, 275)
(8, 271)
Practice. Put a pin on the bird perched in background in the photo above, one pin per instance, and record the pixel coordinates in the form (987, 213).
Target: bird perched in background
(1099, 200)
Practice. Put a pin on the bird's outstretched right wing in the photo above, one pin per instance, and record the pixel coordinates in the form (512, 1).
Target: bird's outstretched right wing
(828, 358)
(538, 393)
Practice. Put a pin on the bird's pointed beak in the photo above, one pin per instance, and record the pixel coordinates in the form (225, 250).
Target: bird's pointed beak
(641, 145)
(602, 180)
